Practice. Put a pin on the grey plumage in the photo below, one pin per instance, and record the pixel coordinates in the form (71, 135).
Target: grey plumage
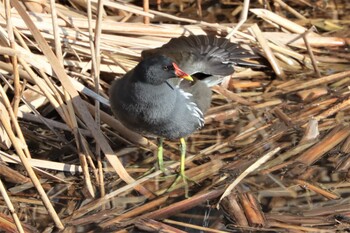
(159, 108)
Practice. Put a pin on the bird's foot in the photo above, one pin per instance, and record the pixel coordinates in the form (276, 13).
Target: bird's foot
(162, 169)
(185, 179)
(166, 170)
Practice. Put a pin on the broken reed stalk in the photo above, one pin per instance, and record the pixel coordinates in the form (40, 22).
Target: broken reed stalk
(96, 64)
(336, 136)
(94, 42)
(192, 226)
(10, 174)
(136, 211)
(242, 19)
(231, 205)
(83, 154)
(40, 163)
(58, 46)
(312, 57)
(334, 109)
(278, 20)
(317, 189)
(156, 226)
(290, 9)
(146, 19)
(314, 82)
(270, 56)
(10, 207)
(14, 60)
(183, 205)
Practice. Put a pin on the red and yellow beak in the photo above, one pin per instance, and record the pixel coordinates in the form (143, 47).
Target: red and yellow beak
(181, 74)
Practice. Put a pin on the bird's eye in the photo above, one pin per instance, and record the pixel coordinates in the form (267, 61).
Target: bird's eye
(166, 68)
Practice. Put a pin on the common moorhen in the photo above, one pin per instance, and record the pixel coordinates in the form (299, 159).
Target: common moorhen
(150, 100)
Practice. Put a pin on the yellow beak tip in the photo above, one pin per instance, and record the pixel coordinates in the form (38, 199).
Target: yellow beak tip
(187, 77)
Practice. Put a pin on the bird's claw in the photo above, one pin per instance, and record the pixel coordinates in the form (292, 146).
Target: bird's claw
(185, 180)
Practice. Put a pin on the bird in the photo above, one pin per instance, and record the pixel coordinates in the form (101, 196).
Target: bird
(167, 94)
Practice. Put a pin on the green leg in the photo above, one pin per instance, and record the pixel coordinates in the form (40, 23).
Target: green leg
(183, 157)
(182, 164)
(160, 154)
(182, 174)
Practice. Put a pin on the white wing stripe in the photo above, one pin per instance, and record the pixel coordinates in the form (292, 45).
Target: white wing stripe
(193, 108)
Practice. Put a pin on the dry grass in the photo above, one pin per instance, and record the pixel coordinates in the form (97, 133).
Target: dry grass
(273, 156)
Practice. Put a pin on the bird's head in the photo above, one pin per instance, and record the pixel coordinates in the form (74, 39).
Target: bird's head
(158, 69)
